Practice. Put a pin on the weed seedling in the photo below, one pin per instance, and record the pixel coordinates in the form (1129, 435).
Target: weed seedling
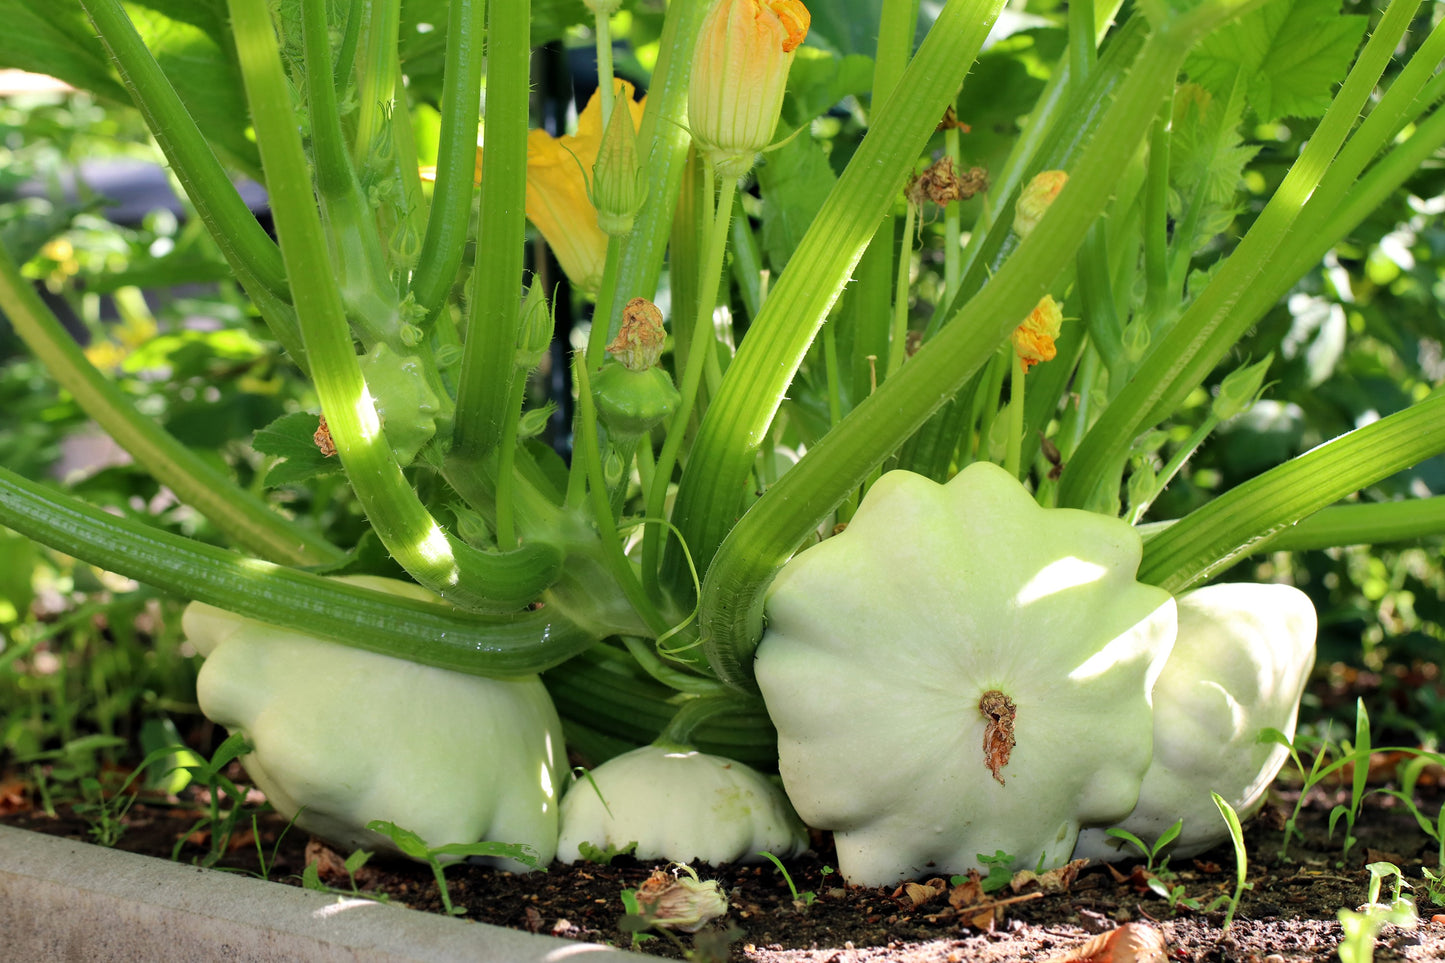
(1150, 853)
(311, 878)
(219, 821)
(804, 899)
(414, 846)
(604, 855)
(1241, 863)
(1363, 926)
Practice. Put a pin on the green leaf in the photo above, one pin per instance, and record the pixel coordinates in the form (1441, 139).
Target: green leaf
(795, 180)
(56, 39)
(1207, 157)
(405, 840)
(818, 80)
(292, 439)
(205, 74)
(1291, 52)
(523, 854)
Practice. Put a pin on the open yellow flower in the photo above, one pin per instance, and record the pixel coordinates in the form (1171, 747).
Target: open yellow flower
(558, 204)
(557, 201)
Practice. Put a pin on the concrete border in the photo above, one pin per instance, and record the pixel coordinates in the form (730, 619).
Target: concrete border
(65, 900)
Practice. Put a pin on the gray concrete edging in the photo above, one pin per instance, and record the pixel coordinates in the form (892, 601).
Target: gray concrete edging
(63, 900)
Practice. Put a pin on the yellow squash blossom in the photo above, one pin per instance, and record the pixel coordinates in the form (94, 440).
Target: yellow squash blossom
(744, 50)
(1034, 339)
(557, 203)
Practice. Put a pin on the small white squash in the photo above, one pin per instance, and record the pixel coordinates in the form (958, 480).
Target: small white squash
(681, 805)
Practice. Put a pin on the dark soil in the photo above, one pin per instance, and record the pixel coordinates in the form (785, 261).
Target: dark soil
(1288, 913)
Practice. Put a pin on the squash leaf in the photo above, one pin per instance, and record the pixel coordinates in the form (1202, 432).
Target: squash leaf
(1288, 52)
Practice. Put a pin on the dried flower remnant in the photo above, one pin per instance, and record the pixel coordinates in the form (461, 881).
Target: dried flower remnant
(950, 121)
(998, 731)
(1033, 340)
(322, 438)
(640, 337)
(683, 903)
(1034, 202)
(943, 184)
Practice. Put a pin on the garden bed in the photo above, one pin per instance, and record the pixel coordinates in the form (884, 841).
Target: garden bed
(1289, 912)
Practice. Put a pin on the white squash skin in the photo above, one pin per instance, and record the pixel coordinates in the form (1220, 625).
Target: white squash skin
(1240, 665)
(345, 736)
(681, 805)
(881, 641)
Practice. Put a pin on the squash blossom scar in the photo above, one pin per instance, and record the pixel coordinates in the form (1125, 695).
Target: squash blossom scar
(998, 731)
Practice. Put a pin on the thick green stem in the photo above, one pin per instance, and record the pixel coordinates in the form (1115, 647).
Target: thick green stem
(451, 207)
(444, 564)
(1375, 523)
(662, 139)
(700, 347)
(1213, 537)
(492, 329)
(714, 482)
(1214, 322)
(777, 523)
(237, 513)
(375, 621)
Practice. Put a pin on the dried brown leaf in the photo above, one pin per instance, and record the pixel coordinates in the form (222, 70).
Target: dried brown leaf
(1130, 943)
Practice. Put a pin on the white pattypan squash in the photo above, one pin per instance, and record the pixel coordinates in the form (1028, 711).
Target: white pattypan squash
(343, 736)
(681, 805)
(1239, 666)
(960, 672)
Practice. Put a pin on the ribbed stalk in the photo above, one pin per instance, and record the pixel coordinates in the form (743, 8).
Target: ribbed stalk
(1213, 537)
(374, 621)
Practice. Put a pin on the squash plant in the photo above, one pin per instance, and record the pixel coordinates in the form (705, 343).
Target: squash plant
(734, 409)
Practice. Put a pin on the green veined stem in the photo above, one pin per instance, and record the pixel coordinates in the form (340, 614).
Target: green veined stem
(451, 208)
(376, 621)
(1211, 538)
(451, 568)
(1376, 523)
(662, 138)
(486, 377)
(898, 338)
(700, 346)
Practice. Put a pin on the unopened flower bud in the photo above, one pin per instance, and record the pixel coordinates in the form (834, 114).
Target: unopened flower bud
(619, 181)
(1136, 340)
(534, 336)
(1034, 339)
(1143, 483)
(739, 73)
(1034, 202)
(640, 337)
(1241, 389)
(683, 903)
